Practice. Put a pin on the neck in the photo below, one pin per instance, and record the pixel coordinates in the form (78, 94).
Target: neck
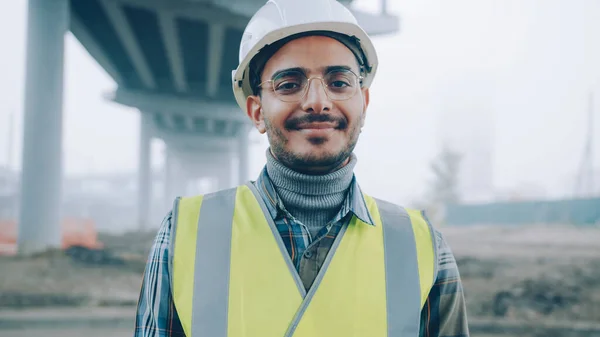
(313, 199)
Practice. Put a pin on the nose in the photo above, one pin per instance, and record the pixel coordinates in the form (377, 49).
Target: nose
(316, 99)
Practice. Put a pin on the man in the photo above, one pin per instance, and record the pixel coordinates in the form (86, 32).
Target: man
(301, 251)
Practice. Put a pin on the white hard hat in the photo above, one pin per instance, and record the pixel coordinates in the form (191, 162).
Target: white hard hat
(279, 19)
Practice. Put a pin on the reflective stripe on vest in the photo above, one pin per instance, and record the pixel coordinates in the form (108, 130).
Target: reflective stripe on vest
(232, 275)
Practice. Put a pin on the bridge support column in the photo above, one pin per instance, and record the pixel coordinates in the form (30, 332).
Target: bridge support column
(145, 171)
(175, 177)
(41, 176)
(243, 148)
(224, 170)
(168, 193)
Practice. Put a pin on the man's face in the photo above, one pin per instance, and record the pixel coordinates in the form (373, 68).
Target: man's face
(314, 134)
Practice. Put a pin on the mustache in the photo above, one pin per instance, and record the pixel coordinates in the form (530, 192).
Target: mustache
(293, 123)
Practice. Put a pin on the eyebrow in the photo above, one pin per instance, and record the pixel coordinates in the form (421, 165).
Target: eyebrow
(305, 70)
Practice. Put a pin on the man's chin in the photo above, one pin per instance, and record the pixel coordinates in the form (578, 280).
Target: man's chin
(318, 157)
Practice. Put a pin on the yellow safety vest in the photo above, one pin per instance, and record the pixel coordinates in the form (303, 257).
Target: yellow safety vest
(231, 274)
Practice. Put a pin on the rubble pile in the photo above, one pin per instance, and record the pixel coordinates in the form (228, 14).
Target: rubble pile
(562, 292)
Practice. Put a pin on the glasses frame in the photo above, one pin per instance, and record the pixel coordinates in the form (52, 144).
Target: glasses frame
(359, 79)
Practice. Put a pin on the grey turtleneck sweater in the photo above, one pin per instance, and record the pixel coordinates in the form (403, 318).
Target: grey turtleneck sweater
(312, 199)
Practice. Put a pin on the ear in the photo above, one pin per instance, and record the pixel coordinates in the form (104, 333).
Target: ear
(366, 94)
(254, 111)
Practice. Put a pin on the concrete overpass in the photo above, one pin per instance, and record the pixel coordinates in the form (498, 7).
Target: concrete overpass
(172, 60)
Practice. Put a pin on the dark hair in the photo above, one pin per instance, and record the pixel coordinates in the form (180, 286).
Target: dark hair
(257, 64)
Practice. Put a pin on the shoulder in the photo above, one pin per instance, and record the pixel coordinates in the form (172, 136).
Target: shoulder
(444, 254)
(446, 259)
(163, 235)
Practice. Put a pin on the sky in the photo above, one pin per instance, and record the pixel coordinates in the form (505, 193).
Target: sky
(510, 76)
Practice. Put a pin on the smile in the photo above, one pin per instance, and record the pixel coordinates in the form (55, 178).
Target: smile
(317, 126)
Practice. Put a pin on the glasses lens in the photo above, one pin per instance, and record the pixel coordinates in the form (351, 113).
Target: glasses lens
(341, 84)
(289, 86)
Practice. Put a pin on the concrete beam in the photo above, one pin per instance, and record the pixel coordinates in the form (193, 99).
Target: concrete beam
(117, 18)
(374, 24)
(216, 40)
(246, 7)
(210, 126)
(169, 122)
(377, 24)
(170, 104)
(194, 10)
(90, 44)
(171, 39)
(189, 123)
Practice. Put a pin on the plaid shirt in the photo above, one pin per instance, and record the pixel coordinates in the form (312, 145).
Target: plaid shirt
(443, 315)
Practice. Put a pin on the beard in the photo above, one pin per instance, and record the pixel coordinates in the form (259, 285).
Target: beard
(299, 161)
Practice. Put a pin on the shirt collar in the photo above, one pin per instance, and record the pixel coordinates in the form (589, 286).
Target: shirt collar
(354, 203)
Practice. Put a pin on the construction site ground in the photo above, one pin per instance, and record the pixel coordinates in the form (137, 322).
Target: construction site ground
(519, 281)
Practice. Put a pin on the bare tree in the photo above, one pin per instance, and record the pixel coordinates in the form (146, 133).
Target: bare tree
(444, 187)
